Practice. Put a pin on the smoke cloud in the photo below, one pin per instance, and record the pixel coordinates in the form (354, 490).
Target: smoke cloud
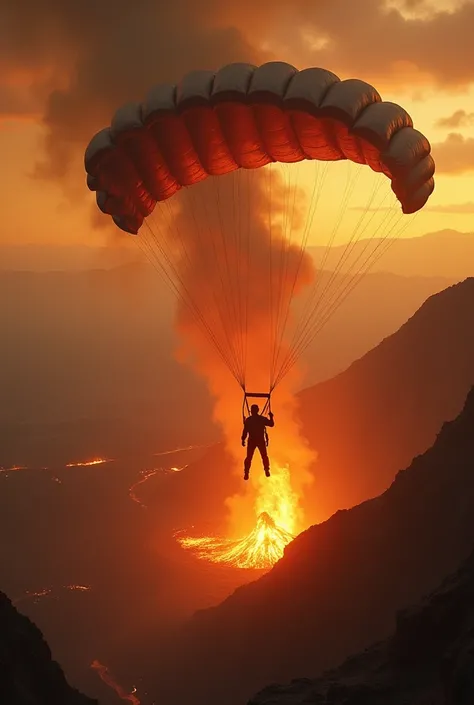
(455, 155)
(236, 264)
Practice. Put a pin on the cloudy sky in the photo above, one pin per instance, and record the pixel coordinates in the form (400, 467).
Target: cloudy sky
(67, 64)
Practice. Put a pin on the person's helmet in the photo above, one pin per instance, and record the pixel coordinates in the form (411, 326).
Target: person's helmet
(254, 409)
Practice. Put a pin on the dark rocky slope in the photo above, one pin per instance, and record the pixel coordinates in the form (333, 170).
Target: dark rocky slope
(28, 675)
(388, 406)
(429, 659)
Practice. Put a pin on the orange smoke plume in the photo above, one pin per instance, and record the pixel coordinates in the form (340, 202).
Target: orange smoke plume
(243, 278)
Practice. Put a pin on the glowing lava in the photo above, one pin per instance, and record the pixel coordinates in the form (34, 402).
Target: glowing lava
(181, 449)
(277, 519)
(144, 476)
(262, 548)
(45, 592)
(13, 468)
(87, 463)
(109, 680)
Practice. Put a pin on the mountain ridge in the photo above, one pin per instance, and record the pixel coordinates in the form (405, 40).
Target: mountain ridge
(429, 658)
(387, 406)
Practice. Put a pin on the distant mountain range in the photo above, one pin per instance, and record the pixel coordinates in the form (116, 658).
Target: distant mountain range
(88, 359)
(338, 586)
(446, 253)
(88, 367)
(66, 258)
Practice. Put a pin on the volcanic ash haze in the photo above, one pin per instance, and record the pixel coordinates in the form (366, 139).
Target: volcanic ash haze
(237, 271)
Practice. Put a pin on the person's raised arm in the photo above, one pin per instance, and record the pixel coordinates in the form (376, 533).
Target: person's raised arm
(270, 422)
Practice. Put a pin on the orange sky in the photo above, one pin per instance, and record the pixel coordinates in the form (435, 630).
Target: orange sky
(51, 101)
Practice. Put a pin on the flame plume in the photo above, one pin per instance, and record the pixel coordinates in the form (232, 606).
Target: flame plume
(254, 268)
(259, 550)
(276, 509)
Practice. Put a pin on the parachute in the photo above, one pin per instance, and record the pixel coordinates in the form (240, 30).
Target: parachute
(183, 172)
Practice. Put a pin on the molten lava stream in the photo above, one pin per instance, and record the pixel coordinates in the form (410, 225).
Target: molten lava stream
(260, 549)
(106, 676)
(276, 507)
(88, 463)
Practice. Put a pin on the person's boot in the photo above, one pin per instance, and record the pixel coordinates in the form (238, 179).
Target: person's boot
(246, 474)
(267, 472)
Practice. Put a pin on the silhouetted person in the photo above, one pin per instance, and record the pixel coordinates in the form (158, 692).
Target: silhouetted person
(255, 429)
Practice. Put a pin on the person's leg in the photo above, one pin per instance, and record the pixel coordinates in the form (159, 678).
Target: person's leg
(248, 460)
(265, 459)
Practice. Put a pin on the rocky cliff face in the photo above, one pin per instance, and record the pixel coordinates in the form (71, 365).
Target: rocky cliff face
(388, 406)
(428, 661)
(28, 675)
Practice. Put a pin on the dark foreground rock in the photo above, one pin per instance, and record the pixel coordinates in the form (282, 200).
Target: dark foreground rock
(28, 674)
(428, 661)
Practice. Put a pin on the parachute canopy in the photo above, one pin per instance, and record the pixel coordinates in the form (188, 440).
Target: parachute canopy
(245, 116)
(236, 120)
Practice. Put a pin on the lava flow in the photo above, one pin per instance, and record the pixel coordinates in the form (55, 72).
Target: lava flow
(46, 592)
(87, 463)
(276, 509)
(109, 680)
(13, 468)
(144, 476)
(260, 549)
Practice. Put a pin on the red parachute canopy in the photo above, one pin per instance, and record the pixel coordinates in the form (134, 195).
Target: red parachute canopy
(244, 117)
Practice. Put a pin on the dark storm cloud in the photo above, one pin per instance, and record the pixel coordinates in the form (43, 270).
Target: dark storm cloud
(104, 53)
(110, 52)
(370, 38)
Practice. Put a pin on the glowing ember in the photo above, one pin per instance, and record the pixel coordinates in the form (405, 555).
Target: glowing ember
(145, 475)
(260, 549)
(87, 463)
(13, 468)
(109, 680)
(132, 492)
